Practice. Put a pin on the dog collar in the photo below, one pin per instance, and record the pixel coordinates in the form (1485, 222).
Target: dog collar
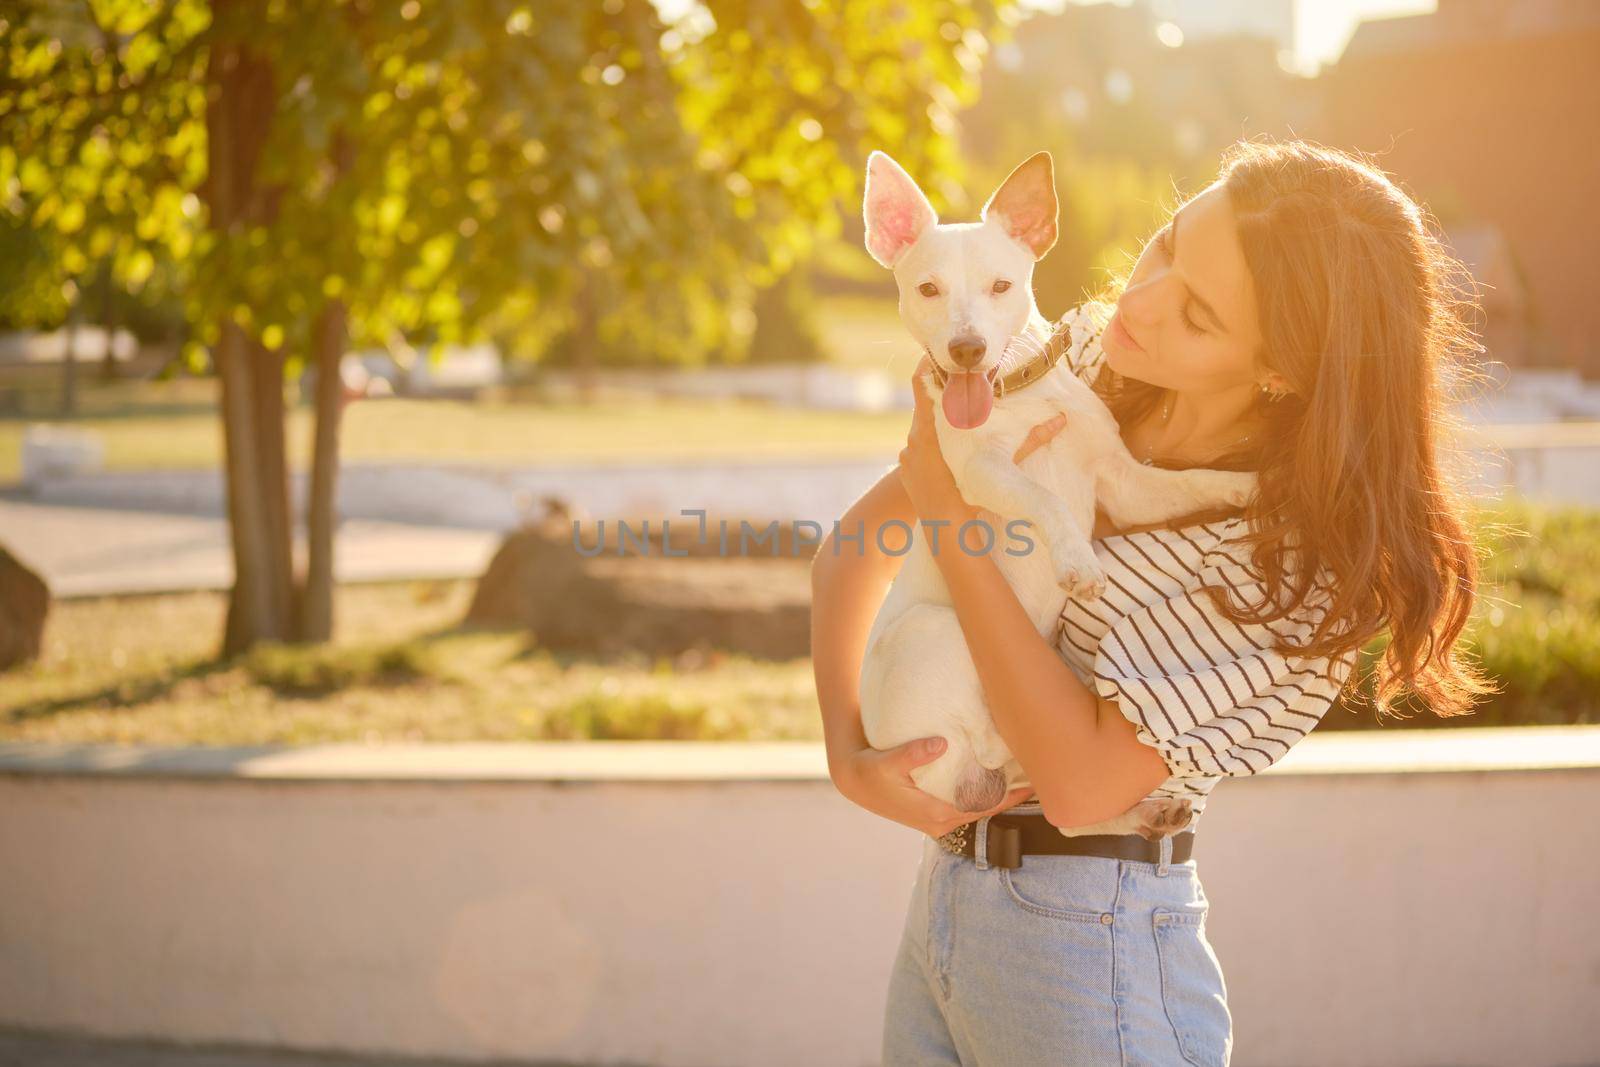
(1024, 375)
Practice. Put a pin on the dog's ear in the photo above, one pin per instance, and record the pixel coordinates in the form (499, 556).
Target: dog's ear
(894, 208)
(1025, 204)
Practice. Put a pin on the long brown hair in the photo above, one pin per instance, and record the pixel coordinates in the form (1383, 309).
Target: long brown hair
(1370, 320)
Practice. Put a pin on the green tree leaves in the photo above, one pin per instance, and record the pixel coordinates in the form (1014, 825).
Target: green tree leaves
(449, 169)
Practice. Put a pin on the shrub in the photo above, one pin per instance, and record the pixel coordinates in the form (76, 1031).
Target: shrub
(650, 717)
(315, 670)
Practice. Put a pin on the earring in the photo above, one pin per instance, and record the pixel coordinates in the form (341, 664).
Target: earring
(1273, 395)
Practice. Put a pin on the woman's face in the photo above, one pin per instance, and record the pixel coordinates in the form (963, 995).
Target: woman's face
(1187, 318)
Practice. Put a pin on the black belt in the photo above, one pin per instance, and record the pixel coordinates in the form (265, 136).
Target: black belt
(1013, 836)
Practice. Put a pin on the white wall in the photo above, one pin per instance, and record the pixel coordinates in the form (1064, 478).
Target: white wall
(721, 904)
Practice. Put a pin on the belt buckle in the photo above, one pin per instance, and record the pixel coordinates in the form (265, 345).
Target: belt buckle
(1004, 844)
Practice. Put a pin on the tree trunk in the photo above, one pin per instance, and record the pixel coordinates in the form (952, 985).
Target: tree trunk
(272, 471)
(586, 336)
(251, 602)
(108, 322)
(69, 363)
(239, 112)
(316, 597)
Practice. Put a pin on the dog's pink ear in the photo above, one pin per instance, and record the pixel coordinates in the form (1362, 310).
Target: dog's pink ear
(1025, 204)
(895, 210)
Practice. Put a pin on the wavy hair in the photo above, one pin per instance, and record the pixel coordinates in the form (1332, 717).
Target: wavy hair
(1371, 321)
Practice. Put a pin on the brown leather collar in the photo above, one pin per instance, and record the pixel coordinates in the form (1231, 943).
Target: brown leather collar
(1024, 375)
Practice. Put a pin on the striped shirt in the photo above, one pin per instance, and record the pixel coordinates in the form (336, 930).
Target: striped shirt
(1214, 698)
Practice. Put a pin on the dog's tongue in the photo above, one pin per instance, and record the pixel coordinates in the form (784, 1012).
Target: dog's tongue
(967, 400)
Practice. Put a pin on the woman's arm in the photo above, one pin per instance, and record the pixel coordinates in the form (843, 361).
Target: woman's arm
(1082, 756)
(1080, 753)
(849, 577)
(848, 580)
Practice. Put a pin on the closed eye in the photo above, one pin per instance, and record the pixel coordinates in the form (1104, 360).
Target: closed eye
(1164, 243)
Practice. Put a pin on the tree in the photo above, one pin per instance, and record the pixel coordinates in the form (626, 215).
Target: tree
(395, 173)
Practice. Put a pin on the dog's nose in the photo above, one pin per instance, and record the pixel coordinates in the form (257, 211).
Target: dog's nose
(967, 351)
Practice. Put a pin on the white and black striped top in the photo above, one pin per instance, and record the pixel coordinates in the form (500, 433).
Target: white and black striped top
(1213, 697)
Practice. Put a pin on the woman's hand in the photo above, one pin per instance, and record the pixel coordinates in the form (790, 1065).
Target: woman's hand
(923, 471)
(880, 781)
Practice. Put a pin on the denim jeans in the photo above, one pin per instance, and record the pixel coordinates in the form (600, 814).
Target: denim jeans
(1070, 961)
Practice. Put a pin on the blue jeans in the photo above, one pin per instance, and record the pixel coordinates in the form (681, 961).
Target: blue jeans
(1070, 961)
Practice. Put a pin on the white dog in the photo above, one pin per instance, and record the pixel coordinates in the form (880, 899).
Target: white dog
(966, 295)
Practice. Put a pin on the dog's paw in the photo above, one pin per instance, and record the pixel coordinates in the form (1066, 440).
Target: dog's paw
(1079, 574)
(1083, 587)
(1162, 818)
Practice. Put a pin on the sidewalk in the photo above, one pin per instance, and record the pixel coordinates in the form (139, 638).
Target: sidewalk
(155, 531)
(493, 497)
(87, 551)
(34, 1050)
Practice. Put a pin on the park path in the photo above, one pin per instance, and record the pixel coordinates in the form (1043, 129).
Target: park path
(156, 531)
(95, 551)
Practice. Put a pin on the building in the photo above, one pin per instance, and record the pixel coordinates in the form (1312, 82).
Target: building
(1486, 111)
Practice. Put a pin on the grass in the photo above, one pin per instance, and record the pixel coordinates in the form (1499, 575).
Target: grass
(174, 425)
(1535, 626)
(446, 431)
(141, 670)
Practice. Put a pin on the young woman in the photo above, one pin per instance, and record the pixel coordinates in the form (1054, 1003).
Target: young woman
(1295, 318)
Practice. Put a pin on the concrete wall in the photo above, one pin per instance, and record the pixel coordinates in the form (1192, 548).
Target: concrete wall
(1405, 898)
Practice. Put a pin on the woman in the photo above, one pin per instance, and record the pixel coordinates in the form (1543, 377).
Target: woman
(1295, 318)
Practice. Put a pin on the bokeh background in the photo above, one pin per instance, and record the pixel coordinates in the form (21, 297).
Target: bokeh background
(605, 260)
(322, 322)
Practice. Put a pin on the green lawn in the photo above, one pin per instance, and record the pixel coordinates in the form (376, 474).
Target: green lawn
(140, 670)
(173, 425)
(510, 433)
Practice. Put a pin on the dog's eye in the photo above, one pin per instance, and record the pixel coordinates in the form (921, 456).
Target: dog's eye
(1001, 286)
(928, 289)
